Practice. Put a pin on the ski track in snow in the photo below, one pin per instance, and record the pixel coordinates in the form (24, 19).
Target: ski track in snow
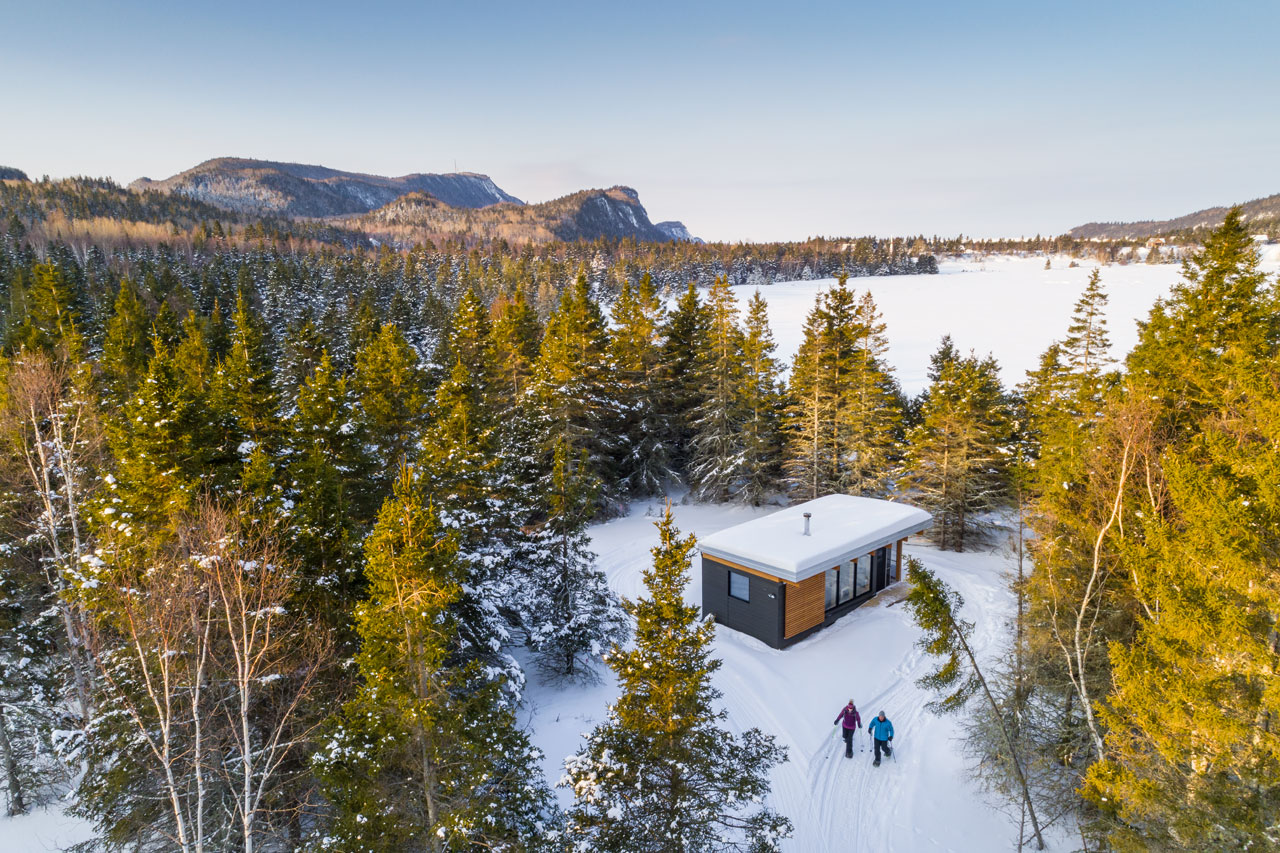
(923, 801)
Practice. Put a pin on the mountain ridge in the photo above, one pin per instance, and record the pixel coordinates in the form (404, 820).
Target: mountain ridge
(615, 212)
(298, 190)
(1262, 213)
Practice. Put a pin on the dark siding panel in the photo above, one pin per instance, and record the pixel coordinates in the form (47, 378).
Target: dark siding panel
(760, 618)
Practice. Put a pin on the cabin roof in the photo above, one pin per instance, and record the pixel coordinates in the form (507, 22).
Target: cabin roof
(842, 527)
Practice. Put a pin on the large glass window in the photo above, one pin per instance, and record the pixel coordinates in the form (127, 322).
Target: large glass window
(846, 582)
(863, 584)
(833, 585)
(739, 586)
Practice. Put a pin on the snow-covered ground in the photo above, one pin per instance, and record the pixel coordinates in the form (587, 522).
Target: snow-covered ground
(1011, 307)
(924, 801)
(45, 829)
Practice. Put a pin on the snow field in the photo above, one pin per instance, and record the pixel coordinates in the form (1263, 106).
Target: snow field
(924, 801)
(1008, 306)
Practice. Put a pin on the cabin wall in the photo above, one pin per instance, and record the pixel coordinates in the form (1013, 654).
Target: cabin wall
(761, 617)
(805, 605)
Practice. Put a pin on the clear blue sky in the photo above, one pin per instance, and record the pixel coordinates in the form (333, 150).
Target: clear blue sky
(745, 120)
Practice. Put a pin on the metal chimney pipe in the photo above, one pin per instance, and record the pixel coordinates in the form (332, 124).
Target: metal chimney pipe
(807, 516)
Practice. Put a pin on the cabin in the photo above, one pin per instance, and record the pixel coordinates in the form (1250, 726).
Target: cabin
(782, 577)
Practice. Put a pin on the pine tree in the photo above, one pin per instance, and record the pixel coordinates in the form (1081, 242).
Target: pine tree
(426, 757)
(661, 761)
(957, 465)
(1195, 767)
(761, 403)
(460, 470)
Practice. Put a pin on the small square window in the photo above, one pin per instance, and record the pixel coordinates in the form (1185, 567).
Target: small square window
(739, 586)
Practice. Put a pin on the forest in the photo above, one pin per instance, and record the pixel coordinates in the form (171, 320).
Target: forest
(280, 507)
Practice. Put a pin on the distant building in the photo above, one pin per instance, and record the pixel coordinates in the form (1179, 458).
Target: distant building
(1155, 241)
(784, 576)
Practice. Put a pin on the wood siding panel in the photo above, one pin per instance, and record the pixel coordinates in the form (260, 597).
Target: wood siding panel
(806, 604)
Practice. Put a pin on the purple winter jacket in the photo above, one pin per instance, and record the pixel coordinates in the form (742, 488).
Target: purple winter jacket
(850, 716)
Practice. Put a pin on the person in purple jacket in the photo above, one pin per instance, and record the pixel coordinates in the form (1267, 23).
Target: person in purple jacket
(852, 722)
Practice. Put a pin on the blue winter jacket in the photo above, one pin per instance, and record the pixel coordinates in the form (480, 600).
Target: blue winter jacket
(880, 729)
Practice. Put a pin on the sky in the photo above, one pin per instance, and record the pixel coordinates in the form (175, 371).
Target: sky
(747, 121)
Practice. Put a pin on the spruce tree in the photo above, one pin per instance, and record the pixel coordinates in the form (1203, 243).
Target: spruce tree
(570, 615)
(715, 469)
(391, 399)
(516, 336)
(325, 471)
(686, 331)
(957, 464)
(661, 774)
(574, 398)
(426, 756)
(845, 414)
(127, 345)
(644, 393)
(761, 404)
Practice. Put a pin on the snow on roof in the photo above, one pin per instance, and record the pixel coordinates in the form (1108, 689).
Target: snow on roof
(842, 527)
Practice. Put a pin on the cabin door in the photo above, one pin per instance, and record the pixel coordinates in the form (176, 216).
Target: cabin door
(880, 567)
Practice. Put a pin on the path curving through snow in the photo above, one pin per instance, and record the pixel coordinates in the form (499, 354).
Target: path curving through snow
(924, 801)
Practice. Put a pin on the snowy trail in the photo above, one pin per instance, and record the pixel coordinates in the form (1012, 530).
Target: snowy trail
(924, 801)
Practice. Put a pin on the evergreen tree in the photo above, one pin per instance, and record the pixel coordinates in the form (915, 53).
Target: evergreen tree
(326, 471)
(761, 404)
(683, 339)
(845, 414)
(644, 392)
(1193, 755)
(957, 464)
(715, 470)
(50, 318)
(571, 615)
(935, 608)
(1223, 309)
(127, 345)
(661, 761)
(391, 400)
(575, 393)
(516, 336)
(426, 757)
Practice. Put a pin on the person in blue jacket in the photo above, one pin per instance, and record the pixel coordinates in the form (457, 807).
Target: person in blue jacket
(881, 731)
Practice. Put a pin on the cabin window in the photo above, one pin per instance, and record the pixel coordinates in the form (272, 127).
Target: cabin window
(864, 575)
(833, 586)
(846, 582)
(739, 586)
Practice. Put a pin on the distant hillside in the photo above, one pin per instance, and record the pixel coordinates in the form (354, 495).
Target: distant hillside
(267, 188)
(586, 215)
(1263, 214)
(8, 173)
